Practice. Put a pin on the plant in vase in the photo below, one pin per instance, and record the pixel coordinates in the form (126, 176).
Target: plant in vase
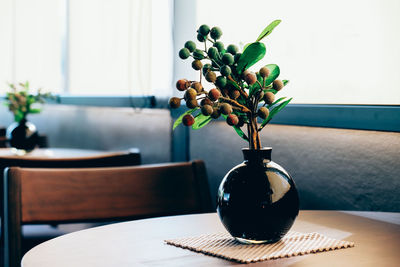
(257, 200)
(22, 135)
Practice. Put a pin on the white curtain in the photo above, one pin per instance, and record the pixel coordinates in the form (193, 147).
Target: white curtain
(88, 47)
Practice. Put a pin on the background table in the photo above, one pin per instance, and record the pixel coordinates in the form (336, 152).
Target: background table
(53, 153)
(140, 243)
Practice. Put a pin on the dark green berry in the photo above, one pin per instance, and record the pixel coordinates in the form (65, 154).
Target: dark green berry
(240, 123)
(220, 82)
(215, 33)
(201, 38)
(198, 54)
(219, 46)
(225, 70)
(211, 76)
(175, 102)
(190, 45)
(227, 58)
(204, 30)
(216, 113)
(213, 53)
(206, 68)
(207, 110)
(215, 64)
(184, 53)
(263, 113)
(226, 109)
(237, 56)
(233, 49)
(197, 65)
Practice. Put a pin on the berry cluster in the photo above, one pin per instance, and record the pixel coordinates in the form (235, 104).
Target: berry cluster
(240, 95)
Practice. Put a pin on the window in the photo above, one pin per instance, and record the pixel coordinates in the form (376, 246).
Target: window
(90, 47)
(333, 52)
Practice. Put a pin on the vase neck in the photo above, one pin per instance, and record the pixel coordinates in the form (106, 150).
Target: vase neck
(252, 156)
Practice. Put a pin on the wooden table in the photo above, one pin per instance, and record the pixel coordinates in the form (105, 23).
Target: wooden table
(140, 243)
(52, 153)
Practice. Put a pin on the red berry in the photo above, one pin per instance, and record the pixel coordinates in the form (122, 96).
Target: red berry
(214, 94)
(188, 120)
(232, 120)
(182, 84)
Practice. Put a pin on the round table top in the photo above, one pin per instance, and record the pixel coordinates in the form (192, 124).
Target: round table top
(53, 153)
(141, 243)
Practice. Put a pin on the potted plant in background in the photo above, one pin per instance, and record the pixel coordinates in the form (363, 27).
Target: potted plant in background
(22, 135)
(257, 200)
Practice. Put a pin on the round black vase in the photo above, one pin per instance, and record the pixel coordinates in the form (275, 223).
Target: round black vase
(257, 200)
(22, 136)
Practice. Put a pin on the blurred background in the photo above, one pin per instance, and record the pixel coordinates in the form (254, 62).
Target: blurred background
(114, 63)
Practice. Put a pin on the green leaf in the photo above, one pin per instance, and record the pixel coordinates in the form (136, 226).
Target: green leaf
(238, 130)
(274, 72)
(179, 119)
(253, 53)
(233, 84)
(285, 82)
(277, 101)
(200, 121)
(271, 90)
(268, 29)
(241, 133)
(18, 116)
(273, 112)
(35, 110)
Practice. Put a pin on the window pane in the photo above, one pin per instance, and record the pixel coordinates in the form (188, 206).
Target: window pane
(333, 52)
(30, 47)
(111, 51)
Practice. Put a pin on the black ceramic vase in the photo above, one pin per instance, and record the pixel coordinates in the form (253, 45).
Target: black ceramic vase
(257, 200)
(22, 136)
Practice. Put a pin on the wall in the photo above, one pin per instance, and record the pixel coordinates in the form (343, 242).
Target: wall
(333, 168)
(105, 129)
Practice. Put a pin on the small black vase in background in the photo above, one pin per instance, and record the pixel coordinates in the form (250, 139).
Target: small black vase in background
(257, 200)
(22, 137)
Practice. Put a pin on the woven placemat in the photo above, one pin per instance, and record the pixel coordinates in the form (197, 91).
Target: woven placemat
(292, 244)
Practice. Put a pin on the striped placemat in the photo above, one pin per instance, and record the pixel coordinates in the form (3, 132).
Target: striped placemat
(292, 244)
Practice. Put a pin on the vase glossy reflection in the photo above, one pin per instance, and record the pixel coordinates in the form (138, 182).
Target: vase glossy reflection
(22, 137)
(257, 200)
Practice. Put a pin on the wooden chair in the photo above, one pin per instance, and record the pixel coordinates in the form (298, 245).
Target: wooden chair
(81, 195)
(107, 159)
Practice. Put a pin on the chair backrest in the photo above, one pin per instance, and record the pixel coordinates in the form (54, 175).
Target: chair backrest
(72, 195)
